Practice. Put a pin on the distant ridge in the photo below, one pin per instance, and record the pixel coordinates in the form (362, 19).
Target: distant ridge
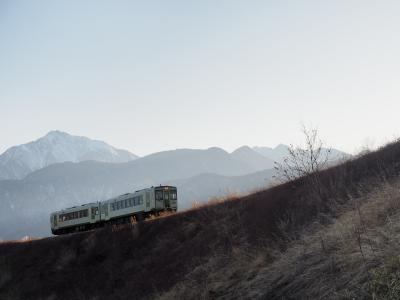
(281, 151)
(57, 147)
(253, 158)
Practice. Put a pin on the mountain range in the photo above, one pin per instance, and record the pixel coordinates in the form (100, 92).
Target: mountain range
(198, 174)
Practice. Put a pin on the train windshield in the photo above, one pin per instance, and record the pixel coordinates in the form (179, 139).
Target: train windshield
(172, 195)
(166, 193)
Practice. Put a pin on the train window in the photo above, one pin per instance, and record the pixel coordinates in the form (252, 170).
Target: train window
(173, 195)
(159, 195)
(126, 203)
(166, 195)
(140, 199)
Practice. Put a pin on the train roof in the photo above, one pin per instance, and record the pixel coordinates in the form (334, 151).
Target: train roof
(74, 207)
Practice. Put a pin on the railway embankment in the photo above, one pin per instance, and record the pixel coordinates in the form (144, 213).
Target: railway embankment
(334, 234)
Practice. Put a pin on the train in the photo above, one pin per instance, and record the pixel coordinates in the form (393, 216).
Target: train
(125, 208)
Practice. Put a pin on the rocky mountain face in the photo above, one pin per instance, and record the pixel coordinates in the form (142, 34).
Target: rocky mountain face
(56, 147)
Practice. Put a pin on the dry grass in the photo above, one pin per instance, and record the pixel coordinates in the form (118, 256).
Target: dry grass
(334, 261)
(25, 239)
(196, 205)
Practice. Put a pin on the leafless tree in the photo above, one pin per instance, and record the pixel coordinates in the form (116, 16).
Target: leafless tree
(303, 162)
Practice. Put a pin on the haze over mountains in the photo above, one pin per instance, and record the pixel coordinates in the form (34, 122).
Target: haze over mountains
(78, 170)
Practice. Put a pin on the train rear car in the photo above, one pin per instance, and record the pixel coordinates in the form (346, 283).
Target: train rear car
(77, 218)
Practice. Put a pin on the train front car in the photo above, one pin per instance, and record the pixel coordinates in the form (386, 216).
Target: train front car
(166, 198)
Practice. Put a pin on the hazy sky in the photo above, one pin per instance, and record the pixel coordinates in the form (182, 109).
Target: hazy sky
(155, 75)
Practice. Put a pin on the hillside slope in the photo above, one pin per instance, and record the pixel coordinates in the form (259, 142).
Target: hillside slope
(281, 243)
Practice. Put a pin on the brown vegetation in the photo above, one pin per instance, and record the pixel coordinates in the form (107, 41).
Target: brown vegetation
(296, 240)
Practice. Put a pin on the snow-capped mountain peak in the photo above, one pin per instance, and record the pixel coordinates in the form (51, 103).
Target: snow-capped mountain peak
(56, 147)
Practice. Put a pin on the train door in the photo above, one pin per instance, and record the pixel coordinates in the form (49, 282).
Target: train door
(166, 199)
(104, 211)
(94, 214)
(147, 199)
(159, 199)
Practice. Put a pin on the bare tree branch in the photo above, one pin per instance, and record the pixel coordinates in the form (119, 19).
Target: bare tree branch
(302, 162)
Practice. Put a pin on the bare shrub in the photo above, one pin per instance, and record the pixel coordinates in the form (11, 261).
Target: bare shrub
(303, 162)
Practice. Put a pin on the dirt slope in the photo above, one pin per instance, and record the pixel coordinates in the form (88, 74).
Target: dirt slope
(224, 250)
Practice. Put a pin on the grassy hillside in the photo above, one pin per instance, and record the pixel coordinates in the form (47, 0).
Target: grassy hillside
(330, 235)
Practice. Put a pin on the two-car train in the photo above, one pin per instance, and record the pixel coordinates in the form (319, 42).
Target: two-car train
(122, 209)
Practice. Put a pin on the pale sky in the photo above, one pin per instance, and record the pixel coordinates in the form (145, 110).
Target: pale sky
(148, 76)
